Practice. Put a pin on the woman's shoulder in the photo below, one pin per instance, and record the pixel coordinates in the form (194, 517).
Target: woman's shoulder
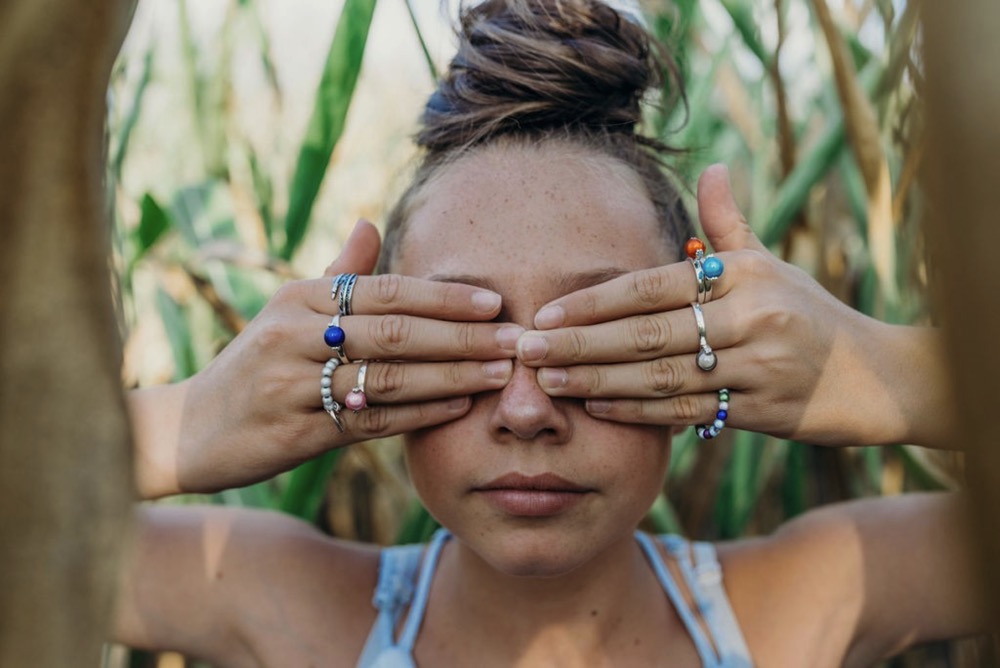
(289, 588)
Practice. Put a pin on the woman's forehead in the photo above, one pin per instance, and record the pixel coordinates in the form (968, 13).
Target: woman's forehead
(506, 210)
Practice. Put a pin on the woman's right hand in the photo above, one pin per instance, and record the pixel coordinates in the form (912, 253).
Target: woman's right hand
(256, 410)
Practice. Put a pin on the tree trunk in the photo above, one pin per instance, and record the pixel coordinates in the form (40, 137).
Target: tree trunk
(963, 180)
(65, 465)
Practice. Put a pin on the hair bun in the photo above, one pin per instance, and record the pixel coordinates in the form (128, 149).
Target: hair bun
(535, 65)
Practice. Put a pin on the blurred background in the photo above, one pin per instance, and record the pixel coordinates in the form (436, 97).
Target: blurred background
(247, 136)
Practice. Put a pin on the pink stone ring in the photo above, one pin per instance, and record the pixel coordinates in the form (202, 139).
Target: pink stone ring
(356, 399)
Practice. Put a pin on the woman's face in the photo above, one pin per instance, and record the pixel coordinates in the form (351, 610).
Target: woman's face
(534, 485)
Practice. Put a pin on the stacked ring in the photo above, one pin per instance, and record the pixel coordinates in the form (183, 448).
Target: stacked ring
(346, 293)
(707, 268)
(709, 431)
(356, 399)
(326, 392)
(334, 336)
(706, 358)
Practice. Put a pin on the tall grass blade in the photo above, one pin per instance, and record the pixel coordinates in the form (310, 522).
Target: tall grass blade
(132, 117)
(431, 67)
(306, 488)
(329, 115)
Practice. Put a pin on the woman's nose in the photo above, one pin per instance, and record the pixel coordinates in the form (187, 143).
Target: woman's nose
(525, 413)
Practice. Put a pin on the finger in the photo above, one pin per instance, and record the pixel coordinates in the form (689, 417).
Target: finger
(685, 409)
(725, 225)
(398, 383)
(404, 337)
(662, 377)
(392, 293)
(638, 338)
(647, 291)
(381, 421)
(360, 251)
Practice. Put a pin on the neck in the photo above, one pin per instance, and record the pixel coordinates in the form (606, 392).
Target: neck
(585, 613)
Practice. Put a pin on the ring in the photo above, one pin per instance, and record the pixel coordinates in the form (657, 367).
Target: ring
(356, 399)
(707, 268)
(706, 358)
(335, 285)
(334, 336)
(346, 292)
(709, 431)
(326, 391)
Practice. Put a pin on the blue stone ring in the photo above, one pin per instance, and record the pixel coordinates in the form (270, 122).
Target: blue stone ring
(334, 336)
(708, 269)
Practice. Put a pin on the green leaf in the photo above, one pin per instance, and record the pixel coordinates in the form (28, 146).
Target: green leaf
(179, 335)
(329, 115)
(307, 486)
(153, 222)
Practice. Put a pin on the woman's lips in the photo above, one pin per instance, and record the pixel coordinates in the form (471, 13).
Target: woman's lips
(532, 496)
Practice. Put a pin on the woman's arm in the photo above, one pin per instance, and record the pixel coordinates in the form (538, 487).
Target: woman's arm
(853, 583)
(244, 588)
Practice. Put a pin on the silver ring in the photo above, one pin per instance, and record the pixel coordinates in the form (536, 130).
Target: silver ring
(706, 358)
(326, 392)
(341, 355)
(346, 293)
(704, 283)
(335, 286)
(356, 399)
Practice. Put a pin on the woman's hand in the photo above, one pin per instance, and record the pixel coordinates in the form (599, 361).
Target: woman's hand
(799, 363)
(256, 410)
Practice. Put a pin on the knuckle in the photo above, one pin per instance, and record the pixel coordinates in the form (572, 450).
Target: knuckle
(576, 343)
(372, 421)
(646, 288)
(454, 374)
(686, 408)
(465, 338)
(391, 333)
(663, 376)
(388, 380)
(387, 289)
(270, 334)
(649, 334)
(289, 292)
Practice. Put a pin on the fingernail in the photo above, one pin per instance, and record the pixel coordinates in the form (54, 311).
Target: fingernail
(598, 406)
(458, 403)
(552, 379)
(498, 368)
(485, 301)
(550, 317)
(532, 347)
(507, 337)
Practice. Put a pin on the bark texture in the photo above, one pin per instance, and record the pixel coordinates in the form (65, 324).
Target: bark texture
(65, 466)
(963, 180)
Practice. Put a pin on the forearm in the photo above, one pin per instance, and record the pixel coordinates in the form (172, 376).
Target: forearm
(910, 369)
(156, 424)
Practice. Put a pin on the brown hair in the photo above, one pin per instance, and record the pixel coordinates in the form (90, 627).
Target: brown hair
(529, 71)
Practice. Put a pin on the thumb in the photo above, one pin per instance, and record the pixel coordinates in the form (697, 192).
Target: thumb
(725, 225)
(360, 251)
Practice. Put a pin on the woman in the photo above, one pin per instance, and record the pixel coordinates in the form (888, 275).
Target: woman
(537, 340)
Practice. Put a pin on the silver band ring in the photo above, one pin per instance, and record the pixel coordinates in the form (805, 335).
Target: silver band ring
(706, 358)
(326, 392)
(346, 293)
(704, 284)
(356, 399)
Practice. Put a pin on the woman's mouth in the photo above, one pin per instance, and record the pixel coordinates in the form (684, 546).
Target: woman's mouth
(542, 495)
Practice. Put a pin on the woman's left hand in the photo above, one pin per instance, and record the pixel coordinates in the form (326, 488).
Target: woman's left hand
(798, 363)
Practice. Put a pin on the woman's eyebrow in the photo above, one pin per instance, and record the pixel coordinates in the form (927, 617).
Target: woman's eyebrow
(566, 282)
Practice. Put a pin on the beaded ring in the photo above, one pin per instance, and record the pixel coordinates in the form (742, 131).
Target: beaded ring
(709, 431)
(326, 392)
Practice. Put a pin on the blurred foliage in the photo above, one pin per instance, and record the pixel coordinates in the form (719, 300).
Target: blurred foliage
(814, 110)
